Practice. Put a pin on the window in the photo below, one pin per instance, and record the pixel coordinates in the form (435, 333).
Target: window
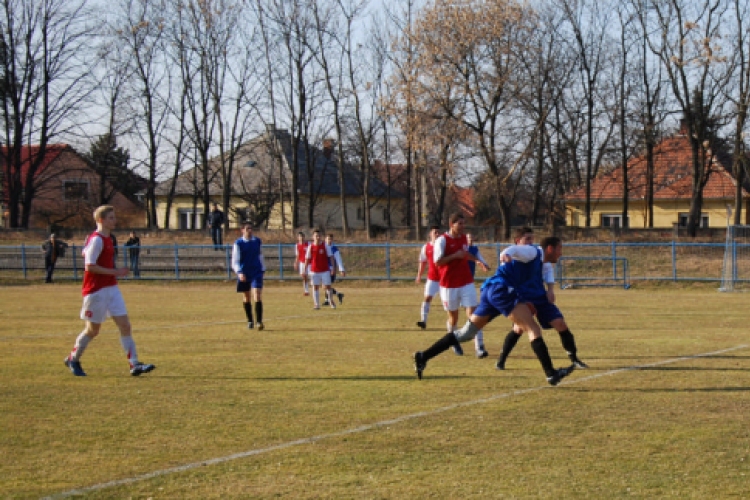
(75, 190)
(683, 220)
(612, 220)
(360, 214)
(385, 215)
(185, 216)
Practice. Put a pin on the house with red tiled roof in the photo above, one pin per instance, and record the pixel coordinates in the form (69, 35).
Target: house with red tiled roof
(67, 190)
(672, 191)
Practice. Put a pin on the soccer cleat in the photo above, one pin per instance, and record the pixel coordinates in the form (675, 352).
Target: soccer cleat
(500, 365)
(341, 297)
(482, 352)
(260, 326)
(139, 368)
(316, 308)
(457, 349)
(560, 374)
(326, 303)
(419, 364)
(333, 305)
(306, 294)
(75, 367)
(577, 362)
(422, 324)
(250, 325)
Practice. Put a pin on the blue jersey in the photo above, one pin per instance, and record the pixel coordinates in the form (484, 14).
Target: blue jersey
(525, 278)
(473, 250)
(332, 260)
(247, 257)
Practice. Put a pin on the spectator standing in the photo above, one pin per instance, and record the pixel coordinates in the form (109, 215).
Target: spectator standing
(134, 254)
(215, 223)
(53, 249)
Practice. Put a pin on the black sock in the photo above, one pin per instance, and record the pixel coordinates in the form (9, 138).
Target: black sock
(540, 349)
(510, 342)
(568, 343)
(259, 311)
(440, 346)
(248, 311)
(333, 291)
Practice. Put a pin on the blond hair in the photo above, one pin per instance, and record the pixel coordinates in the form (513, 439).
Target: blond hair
(102, 211)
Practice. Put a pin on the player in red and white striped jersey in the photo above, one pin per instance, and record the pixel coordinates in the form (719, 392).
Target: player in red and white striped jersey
(432, 285)
(301, 253)
(317, 260)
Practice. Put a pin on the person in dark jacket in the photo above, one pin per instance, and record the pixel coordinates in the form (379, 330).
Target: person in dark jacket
(134, 254)
(53, 249)
(215, 221)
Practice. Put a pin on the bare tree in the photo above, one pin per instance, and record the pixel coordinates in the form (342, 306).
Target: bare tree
(46, 73)
(687, 44)
(739, 95)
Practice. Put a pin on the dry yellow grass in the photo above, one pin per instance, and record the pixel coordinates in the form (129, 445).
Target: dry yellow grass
(325, 404)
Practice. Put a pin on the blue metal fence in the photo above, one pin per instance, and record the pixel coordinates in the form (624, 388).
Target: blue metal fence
(669, 261)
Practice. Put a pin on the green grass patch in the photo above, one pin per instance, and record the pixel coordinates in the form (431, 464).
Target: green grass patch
(329, 400)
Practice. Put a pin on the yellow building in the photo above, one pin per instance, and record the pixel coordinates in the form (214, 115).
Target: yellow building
(672, 192)
(261, 186)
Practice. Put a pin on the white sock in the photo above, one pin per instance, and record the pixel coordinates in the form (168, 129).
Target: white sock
(81, 343)
(316, 298)
(128, 344)
(329, 294)
(479, 340)
(448, 326)
(307, 288)
(425, 311)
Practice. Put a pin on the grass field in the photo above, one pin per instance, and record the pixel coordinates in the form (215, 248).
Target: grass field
(325, 404)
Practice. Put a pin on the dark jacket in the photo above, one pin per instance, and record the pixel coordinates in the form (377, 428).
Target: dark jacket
(135, 244)
(215, 218)
(54, 251)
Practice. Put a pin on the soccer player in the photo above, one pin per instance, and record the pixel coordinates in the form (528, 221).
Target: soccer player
(507, 293)
(301, 252)
(333, 263)
(432, 285)
(474, 250)
(101, 295)
(452, 258)
(317, 260)
(248, 264)
(547, 312)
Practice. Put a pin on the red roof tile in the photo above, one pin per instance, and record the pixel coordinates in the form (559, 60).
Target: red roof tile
(672, 177)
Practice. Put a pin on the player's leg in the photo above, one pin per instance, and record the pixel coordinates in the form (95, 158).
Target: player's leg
(304, 275)
(522, 316)
(568, 341)
(243, 287)
(508, 344)
(256, 288)
(73, 360)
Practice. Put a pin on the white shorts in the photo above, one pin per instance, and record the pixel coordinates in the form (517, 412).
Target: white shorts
(323, 278)
(431, 288)
(454, 298)
(102, 304)
(302, 267)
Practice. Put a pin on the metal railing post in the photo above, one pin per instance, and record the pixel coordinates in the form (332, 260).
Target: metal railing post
(23, 260)
(674, 260)
(176, 262)
(75, 262)
(281, 262)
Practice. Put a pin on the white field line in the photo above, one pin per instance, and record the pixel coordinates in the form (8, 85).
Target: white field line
(368, 427)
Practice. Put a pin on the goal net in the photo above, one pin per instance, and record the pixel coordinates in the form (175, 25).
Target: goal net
(735, 269)
(592, 271)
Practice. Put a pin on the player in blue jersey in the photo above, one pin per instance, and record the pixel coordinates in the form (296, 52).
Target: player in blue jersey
(507, 293)
(248, 264)
(474, 250)
(548, 314)
(335, 262)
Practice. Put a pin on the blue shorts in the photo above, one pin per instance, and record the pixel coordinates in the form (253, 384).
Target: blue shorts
(254, 282)
(546, 312)
(496, 299)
